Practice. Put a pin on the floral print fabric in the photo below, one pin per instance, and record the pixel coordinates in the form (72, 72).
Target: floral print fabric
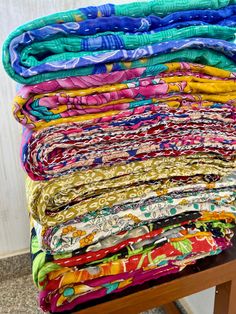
(191, 239)
(86, 97)
(90, 228)
(59, 200)
(144, 118)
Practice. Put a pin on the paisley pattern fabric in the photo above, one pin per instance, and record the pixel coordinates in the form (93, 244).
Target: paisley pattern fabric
(47, 48)
(74, 152)
(87, 229)
(129, 143)
(62, 199)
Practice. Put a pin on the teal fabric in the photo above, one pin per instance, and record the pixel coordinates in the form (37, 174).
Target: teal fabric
(29, 60)
(203, 56)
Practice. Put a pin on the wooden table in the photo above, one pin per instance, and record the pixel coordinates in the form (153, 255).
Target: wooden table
(219, 271)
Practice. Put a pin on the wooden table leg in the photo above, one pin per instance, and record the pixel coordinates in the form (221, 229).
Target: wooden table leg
(171, 308)
(225, 298)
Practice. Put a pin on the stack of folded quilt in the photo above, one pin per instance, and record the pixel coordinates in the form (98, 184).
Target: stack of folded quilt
(129, 142)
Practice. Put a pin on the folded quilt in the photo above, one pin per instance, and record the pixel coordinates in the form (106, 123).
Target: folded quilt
(98, 61)
(75, 296)
(94, 226)
(156, 133)
(156, 238)
(107, 246)
(64, 198)
(74, 279)
(99, 288)
(83, 98)
(63, 44)
(96, 250)
(204, 56)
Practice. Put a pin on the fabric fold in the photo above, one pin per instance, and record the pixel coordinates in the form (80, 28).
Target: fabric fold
(47, 48)
(176, 246)
(85, 97)
(66, 197)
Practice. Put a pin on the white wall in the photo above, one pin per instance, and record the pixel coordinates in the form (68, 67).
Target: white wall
(200, 303)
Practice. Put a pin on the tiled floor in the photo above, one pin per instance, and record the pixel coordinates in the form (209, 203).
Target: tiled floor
(19, 296)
